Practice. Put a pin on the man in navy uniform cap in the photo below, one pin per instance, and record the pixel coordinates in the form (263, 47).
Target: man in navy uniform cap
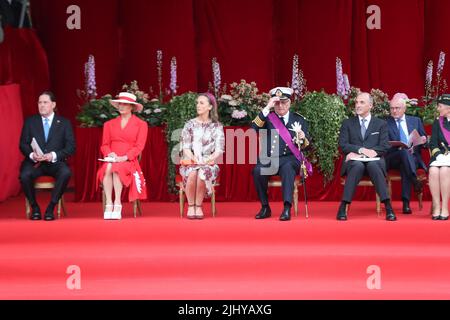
(279, 155)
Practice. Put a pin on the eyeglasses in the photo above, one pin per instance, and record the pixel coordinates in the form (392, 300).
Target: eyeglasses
(396, 108)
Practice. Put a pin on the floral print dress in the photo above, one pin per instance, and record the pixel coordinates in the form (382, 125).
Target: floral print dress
(203, 139)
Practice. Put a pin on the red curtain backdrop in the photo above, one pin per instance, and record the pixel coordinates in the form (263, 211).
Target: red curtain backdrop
(68, 50)
(252, 40)
(23, 61)
(10, 106)
(147, 26)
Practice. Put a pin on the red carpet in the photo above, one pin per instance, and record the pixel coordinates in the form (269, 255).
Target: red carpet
(232, 256)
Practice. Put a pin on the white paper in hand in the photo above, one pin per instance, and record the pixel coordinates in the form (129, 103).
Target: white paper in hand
(108, 159)
(415, 139)
(36, 149)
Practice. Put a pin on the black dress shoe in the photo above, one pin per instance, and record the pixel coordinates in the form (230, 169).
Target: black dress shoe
(443, 217)
(265, 212)
(49, 216)
(286, 214)
(390, 215)
(36, 216)
(406, 208)
(438, 217)
(342, 212)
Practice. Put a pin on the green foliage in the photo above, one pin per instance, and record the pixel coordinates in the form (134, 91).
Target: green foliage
(325, 114)
(96, 112)
(180, 109)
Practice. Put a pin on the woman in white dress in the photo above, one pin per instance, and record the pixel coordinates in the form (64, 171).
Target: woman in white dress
(202, 142)
(439, 172)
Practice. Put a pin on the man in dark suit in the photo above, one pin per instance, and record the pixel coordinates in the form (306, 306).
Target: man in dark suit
(55, 138)
(279, 155)
(406, 160)
(364, 136)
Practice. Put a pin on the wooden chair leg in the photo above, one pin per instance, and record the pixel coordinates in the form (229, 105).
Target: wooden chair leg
(58, 208)
(420, 197)
(181, 193)
(139, 208)
(103, 200)
(27, 208)
(63, 206)
(296, 199)
(378, 205)
(213, 201)
(134, 208)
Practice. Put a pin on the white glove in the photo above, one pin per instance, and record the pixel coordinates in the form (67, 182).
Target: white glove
(296, 127)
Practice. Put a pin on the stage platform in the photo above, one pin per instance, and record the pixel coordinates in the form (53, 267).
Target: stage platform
(231, 256)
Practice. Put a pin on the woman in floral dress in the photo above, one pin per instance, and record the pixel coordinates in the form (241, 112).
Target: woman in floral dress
(202, 143)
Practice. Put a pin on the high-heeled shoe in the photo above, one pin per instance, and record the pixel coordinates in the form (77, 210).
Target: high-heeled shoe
(108, 211)
(436, 216)
(198, 215)
(192, 214)
(441, 217)
(117, 214)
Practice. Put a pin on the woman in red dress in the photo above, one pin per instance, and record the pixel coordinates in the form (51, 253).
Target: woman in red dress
(123, 141)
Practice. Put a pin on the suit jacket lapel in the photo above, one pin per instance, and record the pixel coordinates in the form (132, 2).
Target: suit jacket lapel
(40, 137)
(393, 126)
(357, 124)
(369, 128)
(53, 127)
(409, 124)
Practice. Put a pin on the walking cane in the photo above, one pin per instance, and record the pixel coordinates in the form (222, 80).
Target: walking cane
(303, 171)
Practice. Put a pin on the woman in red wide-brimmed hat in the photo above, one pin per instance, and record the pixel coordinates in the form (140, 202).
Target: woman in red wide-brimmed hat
(123, 141)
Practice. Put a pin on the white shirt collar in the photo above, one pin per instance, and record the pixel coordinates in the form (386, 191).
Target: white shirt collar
(285, 117)
(403, 118)
(50, 118)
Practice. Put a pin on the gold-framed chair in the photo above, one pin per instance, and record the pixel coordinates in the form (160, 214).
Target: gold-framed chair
(275, 181)
(179, 182)
(395, 176)
(42, 183)
(366, 182)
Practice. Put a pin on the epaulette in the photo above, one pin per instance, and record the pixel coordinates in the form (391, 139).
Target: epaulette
(301, 115)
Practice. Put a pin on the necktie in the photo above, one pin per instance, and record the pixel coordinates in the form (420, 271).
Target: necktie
(46, 129)
(402, 133)
(363, 128)
(282, 119)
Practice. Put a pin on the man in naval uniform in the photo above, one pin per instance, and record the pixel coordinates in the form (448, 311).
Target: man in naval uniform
(279, 154)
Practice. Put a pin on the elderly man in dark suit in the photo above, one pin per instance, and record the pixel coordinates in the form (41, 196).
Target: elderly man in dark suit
(407, 161)
(54, 136)
(364, 137)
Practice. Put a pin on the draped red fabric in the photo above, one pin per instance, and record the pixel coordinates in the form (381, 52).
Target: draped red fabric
(239, 34)
(318, 31)
(148, 26)
(10, 105)
(68, 49)
(24, 61)
(437, 35)
(384, 58)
